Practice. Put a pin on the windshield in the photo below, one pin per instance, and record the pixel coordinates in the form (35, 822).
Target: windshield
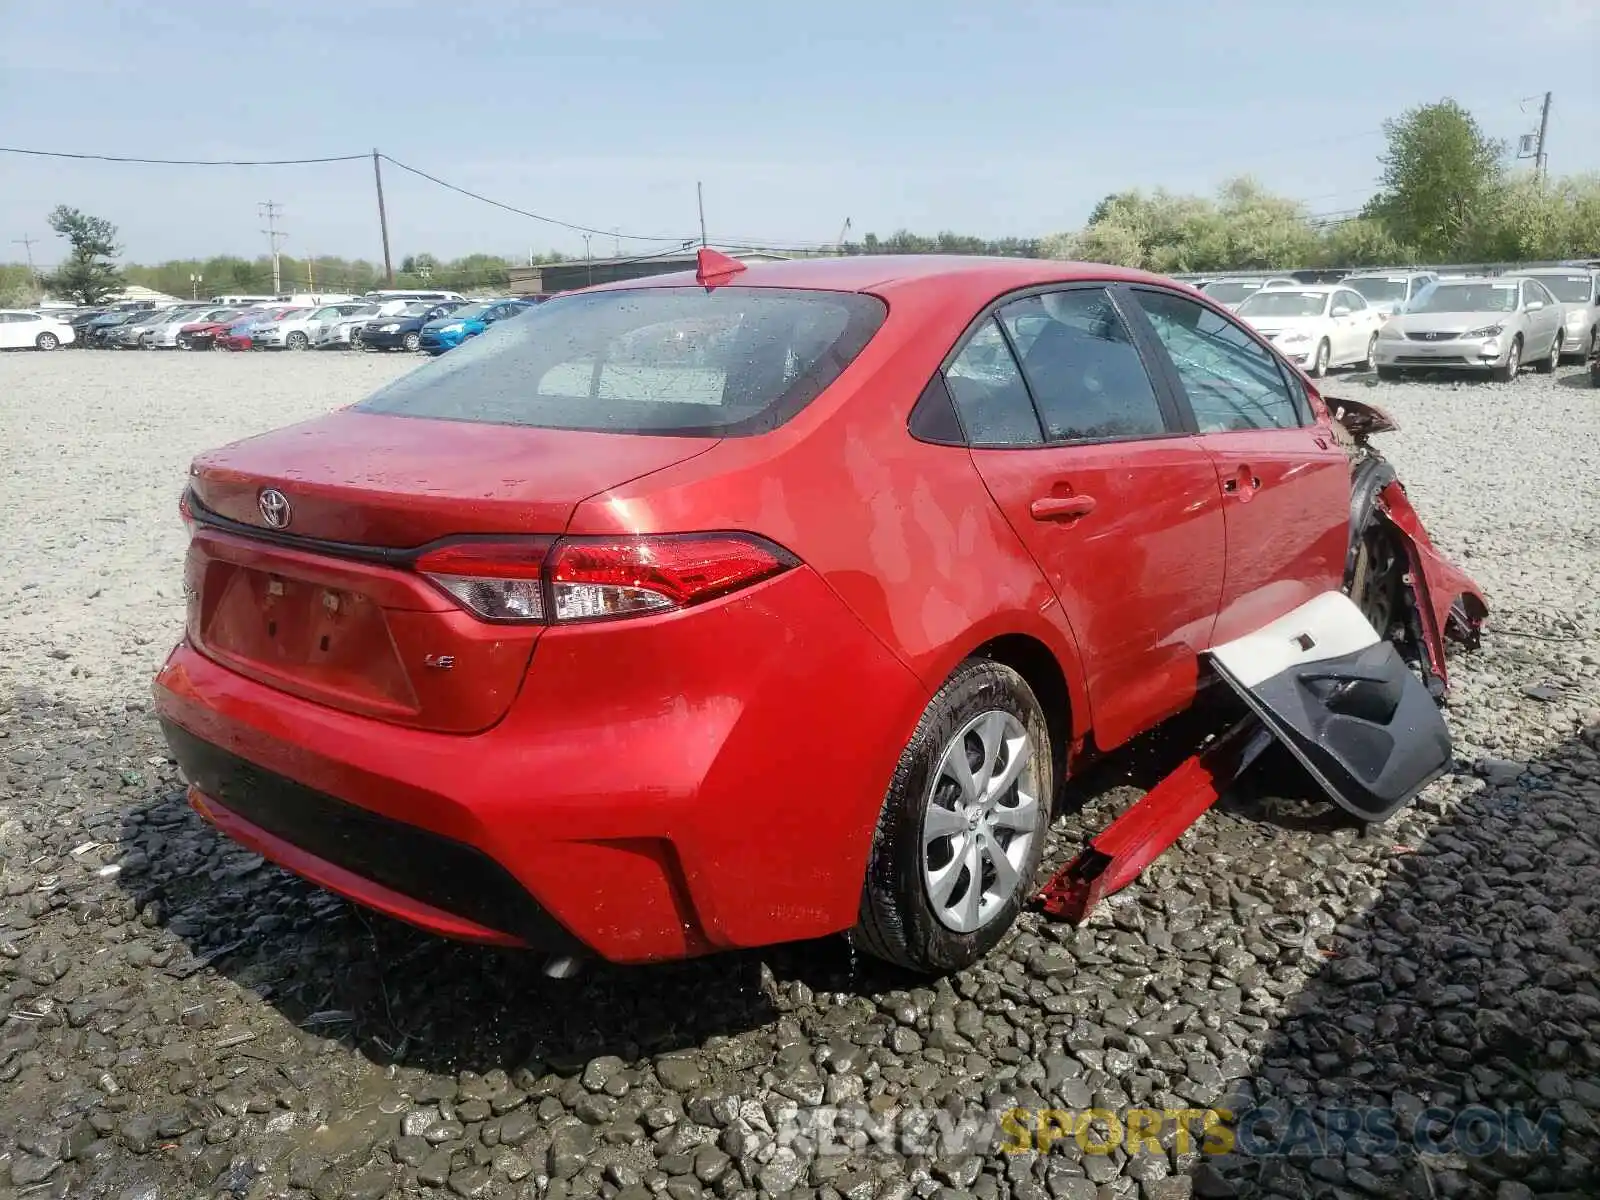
(1284, 304)
(1570, 289)
(667, 360)
(1467, 297)
(470, 312)
(415, 308)
(1379, 290)
(1231, 292)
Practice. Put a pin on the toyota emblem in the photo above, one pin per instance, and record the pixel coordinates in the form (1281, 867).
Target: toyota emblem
(274, 506)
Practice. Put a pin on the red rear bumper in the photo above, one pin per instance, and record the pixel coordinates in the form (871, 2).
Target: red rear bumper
(661, 787)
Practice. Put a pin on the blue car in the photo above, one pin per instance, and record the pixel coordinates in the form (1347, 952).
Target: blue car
(448, 332)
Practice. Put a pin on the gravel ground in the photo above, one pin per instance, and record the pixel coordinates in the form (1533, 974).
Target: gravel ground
(182, 1020)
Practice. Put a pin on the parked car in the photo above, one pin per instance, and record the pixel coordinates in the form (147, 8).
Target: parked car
(1230, 292)
(80, 324)
(347, 331)
(1578, 290)
(241, 334)
(162, 333)
(97, 330)
(23, 329)
(833, 567)
(135, 334)
(1316, 327)
(298, 328)
(1390, 291)
(449, 331)
(1487, 324)
(403, 330)
(202, 332)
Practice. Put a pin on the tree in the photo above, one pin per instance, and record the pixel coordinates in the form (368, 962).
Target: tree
(1440, 175)
(87, 275)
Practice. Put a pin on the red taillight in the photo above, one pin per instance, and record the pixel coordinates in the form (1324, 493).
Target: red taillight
(590, 579)
(593, 578)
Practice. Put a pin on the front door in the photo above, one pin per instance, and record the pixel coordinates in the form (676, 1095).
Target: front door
(1285, 481)
(1119, 507)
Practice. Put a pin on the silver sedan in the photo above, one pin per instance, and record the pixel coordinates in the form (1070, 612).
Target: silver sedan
(1578, 289)
(1494, 325)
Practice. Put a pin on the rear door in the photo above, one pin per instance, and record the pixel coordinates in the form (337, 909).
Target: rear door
(1121, 509)
(1285, 481)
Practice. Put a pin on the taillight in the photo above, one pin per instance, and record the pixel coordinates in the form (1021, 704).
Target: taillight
(497, 579)
(592, 579)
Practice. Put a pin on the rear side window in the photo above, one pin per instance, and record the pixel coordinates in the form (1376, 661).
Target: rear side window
(682, 361)
(989, 394)
(1083, 369)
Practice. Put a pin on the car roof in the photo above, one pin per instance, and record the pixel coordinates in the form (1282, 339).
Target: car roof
(1305, 287)
(893, 272)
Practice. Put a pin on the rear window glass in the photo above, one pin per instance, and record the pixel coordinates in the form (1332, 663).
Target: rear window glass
(682, 361)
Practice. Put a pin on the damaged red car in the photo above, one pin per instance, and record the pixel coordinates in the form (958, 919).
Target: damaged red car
(770, 601)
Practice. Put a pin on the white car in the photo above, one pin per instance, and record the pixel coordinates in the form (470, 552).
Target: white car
(1390, 291)
(1316, 326)
(20, 329)
(346, 331)
(1231, 292)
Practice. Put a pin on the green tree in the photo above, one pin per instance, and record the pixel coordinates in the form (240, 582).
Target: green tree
(17, 286)
(1361, 242)
(1440, 176)
(87, 275)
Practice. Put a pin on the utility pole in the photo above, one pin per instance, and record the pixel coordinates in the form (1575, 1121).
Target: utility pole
(700, 199)
(383, 219)
(588, 262)
(616, 242)
(1541, 164)
(275, 236)
(26, 242)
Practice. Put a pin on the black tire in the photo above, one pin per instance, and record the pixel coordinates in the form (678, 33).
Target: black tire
(1370, 363)
(1546, 365)
(355, 340)
(1507, 371)
(897, 922)
(47, 341)
(1319, 361)
(411, 341)
(1389, 374)
(297, 341)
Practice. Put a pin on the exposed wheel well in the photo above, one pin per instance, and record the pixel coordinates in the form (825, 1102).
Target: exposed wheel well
(1033, 660)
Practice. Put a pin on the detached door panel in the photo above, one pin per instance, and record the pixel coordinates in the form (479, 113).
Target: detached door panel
(1285, 485)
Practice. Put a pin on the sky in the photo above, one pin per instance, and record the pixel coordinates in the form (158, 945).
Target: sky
(995, 120)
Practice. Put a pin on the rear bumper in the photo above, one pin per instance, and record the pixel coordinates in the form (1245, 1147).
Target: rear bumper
(661, 788)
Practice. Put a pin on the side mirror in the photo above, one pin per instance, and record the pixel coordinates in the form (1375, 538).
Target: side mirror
(1341, 310)
(1534, 305)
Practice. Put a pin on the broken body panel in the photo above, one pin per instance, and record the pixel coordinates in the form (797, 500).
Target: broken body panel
(1325, 683)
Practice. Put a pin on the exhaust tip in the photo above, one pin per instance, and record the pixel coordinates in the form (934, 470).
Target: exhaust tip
(563, 966)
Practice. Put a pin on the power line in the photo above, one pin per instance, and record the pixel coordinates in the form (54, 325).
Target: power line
(184, 162)
(522, 212)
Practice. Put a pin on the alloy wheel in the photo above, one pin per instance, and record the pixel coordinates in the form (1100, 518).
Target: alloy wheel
(981, 818)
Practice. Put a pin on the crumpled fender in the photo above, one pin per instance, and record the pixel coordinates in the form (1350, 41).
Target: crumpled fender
(1449, 604)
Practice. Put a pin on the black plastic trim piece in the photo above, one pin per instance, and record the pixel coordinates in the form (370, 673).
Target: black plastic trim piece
(426, 866)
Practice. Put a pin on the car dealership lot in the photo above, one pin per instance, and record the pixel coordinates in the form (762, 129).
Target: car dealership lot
(178, 1014)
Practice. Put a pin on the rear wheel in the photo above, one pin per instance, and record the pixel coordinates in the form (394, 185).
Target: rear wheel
(297, 341)
(47, 341)
(963, 826)
(411, 341)
(355, 340)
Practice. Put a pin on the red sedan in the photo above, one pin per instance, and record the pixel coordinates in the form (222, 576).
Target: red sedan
(751, 605)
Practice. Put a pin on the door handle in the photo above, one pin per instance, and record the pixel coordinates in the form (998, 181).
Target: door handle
(1061, 508)
(1243, 479)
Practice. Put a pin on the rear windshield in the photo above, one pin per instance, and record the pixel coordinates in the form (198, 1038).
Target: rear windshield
(681, 361)
(1379, 290)
(1285, 303)
(1231, 292)
(1573, 289)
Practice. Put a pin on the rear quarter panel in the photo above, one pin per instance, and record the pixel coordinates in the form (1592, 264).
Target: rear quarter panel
(903, 531)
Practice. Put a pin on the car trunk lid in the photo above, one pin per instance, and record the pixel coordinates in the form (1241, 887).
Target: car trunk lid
(322, 601)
